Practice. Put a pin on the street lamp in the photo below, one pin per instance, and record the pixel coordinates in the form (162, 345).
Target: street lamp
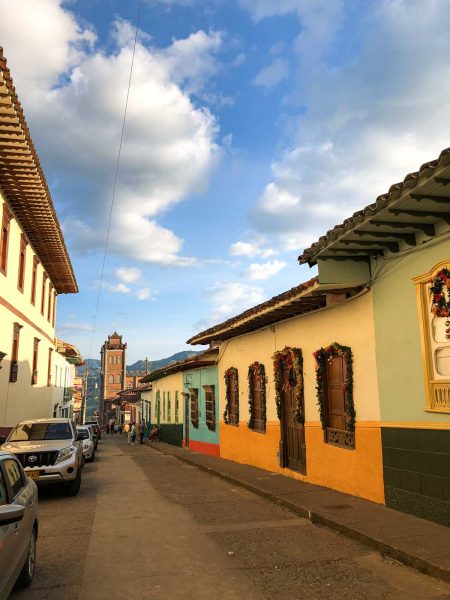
(2, 356)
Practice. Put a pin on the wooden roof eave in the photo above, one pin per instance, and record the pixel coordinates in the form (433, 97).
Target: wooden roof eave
(395, 222)
(29, 197)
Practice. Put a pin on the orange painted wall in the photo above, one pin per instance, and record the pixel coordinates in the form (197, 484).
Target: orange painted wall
(357, 472)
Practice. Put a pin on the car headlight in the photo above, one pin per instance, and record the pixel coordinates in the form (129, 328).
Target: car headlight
(65, 453)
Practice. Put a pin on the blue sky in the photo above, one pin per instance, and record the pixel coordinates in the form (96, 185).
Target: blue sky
(253, 127)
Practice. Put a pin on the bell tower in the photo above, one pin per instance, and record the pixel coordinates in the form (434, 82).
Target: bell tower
(113, 370)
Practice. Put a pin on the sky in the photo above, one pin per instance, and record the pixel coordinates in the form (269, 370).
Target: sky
(253, 127)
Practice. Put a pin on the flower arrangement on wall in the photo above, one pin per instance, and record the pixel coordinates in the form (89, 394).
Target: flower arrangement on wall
(256, 370)
(323, 356)
(440, 297)
(230, 375)
(293, 359)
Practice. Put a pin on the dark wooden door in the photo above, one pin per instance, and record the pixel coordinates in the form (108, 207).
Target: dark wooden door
(186, 420)
(294, 448)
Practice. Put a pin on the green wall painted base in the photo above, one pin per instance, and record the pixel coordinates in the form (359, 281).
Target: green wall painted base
(416, 466)
(171, 434)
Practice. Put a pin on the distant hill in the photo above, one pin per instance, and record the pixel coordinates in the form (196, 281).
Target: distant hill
(93, 364)
(154, 365)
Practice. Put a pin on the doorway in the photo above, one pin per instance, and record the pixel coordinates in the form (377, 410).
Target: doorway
(293, 432)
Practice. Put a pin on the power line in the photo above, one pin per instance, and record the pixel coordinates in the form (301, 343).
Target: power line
(115, 179)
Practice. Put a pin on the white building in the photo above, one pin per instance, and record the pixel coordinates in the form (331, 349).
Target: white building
(34, 268)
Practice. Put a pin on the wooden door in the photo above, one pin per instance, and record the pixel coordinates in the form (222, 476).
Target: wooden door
(293, 447)
(186, 420)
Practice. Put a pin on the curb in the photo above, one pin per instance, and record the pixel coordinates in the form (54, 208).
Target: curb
(386, 549)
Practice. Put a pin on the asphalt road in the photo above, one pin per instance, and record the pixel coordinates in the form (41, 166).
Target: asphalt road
(146, 525)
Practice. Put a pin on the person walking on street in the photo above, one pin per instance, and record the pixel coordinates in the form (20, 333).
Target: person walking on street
(141, 432)
(127, 432)
(133, 434)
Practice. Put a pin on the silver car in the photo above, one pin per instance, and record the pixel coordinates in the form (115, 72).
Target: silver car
(49, 450)
(88, 442)
(18, 525)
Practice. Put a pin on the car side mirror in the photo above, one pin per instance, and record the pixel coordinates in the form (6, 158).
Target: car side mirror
(2, 439)
(11, 513)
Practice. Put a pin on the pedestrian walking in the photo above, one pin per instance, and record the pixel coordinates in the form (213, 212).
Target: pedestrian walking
(133, 434)
(141, 432)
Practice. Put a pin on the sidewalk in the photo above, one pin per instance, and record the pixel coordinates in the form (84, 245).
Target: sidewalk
(421, 544)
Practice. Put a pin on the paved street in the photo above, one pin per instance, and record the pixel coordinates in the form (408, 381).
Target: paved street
(146, 525)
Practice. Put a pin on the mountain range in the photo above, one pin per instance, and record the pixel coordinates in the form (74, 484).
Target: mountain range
(93, 364)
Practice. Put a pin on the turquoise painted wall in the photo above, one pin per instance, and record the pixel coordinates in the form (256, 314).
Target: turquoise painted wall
(196, 379)
(397, 333)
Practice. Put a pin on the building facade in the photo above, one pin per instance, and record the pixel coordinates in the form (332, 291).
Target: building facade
(404, 255)
(184, 402)
(270, 416)
(113, 371)
(201, 407)
(344, 381)
(34, 269)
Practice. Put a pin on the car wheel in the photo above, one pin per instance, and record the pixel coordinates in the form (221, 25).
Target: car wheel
(83, 462)
(73, 487)
(92, 457)
(27, 573)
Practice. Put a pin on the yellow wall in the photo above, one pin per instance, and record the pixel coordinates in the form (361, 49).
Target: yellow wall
(171, 383)
(22, 400)
(358, 471)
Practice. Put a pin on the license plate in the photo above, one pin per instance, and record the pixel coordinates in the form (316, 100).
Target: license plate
(33, 474)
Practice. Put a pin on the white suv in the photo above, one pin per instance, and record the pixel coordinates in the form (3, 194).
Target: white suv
(49, 450)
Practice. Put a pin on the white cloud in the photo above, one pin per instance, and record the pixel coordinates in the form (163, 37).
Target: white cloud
(74, 94)
(120, 288)
(250, 249)
(273, 74)
(368, 121)
(229, 299)
(259, 271)
(128, 274)
(144, 294)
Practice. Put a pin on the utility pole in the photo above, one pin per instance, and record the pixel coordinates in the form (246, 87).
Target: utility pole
(146, 365)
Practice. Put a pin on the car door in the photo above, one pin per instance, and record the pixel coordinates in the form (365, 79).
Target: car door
(9, 540)
(22, 493)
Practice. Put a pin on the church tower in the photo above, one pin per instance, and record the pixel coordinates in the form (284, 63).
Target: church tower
(113, 371)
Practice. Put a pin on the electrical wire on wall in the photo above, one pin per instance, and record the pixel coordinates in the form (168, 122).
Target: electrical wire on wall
(116, 175)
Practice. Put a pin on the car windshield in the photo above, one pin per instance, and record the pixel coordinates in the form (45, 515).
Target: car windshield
(27, 432)
(83, 433)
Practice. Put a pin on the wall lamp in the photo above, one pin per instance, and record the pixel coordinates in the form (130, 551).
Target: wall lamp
(2, 356)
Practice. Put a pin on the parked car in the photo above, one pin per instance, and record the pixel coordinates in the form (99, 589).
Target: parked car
(49, 450)
(18, 525)
(94, 435)
(98, 431)
(88, 442)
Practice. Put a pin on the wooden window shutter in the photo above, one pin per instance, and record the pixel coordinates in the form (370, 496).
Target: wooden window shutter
(258, 423)
(22, 263)
(49, 370)
(210, 407)
(194, 406)
(233, 409)
(4, 241)
(336, 415)
(14, 369)
(34, 374)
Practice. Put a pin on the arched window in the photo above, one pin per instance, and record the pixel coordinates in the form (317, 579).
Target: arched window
(110, 378)
(110, 359)
(118, 360)
(118, 379)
